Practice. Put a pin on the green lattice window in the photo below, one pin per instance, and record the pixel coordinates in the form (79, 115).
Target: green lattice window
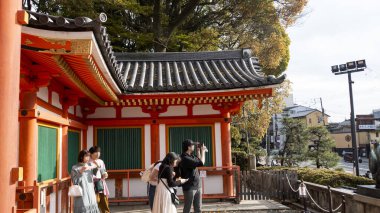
(47, 153)
(73, 148)
(121, 147)
(195, 133)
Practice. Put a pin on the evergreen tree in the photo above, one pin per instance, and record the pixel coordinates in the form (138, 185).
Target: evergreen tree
(321, 149)
(296, 142)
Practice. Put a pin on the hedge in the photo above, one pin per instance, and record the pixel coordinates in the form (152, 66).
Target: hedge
(326, 177)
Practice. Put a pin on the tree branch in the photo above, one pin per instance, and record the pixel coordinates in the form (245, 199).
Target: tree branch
(186, 12)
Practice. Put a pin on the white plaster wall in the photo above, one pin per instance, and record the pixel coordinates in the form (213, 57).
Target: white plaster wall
(133, 112)
(55, 100)
(103, 112)
(59, 201)
(162, 130)
(204, 109)
(43, 110)
(90, 136)
(218, 144)
(179, 191)
(111, 187)
(78, 111)
(71, 110)
(175, 111)
(43, 93)
(213, 185)
(53, 202)
(147, 145)
(137, 188)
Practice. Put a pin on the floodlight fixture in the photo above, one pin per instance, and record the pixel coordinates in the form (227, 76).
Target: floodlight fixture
(342, 67)
(351, 65)
(361, 64)
(335, 68)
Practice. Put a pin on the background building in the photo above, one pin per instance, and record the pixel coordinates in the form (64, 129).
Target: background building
(367, 127)
(309, 116)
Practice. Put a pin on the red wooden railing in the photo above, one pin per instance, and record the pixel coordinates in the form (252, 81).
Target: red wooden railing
(29, 197)
(119, 175)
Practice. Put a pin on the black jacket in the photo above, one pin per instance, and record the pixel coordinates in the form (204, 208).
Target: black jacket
(188, 169)
(166, 171)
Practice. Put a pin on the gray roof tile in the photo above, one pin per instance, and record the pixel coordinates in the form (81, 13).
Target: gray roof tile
(194, 71)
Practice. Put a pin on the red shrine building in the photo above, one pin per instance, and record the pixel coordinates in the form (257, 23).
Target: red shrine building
(64, 89)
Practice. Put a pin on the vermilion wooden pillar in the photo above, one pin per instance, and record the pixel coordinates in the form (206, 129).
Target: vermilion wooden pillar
(10, 43)
(155, 143)
(65, 150)
(64, 166)
(226, 153)
(28, 136)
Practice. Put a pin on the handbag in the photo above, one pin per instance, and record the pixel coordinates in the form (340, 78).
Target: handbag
(98, 183)
(173, 195)
(75, 191)
(145, 176)
(98, 186)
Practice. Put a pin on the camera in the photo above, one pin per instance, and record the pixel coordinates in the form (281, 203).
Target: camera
(200, 144)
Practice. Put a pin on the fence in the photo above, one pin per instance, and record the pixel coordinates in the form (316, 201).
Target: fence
(284, 186)
(353, 202)
(264, 185)
(46, 197)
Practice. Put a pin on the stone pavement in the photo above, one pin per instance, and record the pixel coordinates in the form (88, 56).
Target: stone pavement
(244, 206)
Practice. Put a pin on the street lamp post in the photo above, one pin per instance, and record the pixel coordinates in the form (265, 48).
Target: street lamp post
(348, 68)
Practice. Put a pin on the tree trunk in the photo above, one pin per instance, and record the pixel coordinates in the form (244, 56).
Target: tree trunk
(318, 164)
(157, 28)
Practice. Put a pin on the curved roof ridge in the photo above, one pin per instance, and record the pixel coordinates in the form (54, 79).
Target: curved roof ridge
(184, 56)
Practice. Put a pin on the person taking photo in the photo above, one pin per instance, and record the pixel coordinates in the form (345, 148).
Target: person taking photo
(188, 167)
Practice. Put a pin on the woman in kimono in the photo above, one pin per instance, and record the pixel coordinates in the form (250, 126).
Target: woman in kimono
(166, 182)
(81, 174)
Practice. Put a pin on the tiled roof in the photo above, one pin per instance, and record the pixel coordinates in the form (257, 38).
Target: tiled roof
(191, 71)
(165, 72)
(302, 113)
(48, 22)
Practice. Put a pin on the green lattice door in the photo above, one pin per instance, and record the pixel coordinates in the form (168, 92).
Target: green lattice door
(195, 133)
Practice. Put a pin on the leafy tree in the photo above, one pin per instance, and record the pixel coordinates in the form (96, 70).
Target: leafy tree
(321, 149)
(295, 144)
(240, 147)
(191, 25)
(255, 118)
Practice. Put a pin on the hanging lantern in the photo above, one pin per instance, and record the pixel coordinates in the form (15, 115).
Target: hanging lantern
(302, 191)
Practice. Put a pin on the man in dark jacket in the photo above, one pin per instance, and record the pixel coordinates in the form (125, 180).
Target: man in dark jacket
(192, 189)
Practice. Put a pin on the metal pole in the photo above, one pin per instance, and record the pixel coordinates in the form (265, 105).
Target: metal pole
(353, 126)
(330, 199)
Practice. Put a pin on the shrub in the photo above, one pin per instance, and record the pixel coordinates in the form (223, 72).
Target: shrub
(326, 176)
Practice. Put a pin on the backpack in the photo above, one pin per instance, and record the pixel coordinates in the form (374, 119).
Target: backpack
(145, 176)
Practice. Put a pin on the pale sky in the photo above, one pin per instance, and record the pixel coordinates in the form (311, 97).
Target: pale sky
(335, 32)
